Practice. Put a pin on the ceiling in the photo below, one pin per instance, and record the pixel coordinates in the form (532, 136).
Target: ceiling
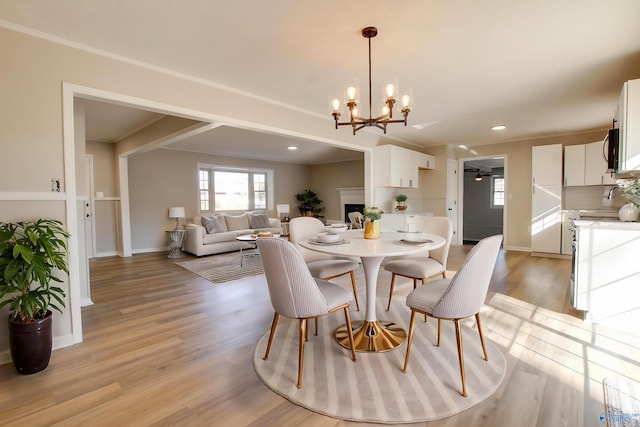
(543, 68)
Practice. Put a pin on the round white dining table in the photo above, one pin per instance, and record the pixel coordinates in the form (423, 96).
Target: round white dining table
(373, 335)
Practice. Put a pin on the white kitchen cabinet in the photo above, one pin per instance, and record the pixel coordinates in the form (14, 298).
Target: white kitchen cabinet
(546, 221)
(546, 164)
(425, 161)
(396, 167)
(574, 165)
(546, 198)
(628, 120)
(595, 165)
(607, 275)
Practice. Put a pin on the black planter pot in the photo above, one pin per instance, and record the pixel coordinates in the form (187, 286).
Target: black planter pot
(31, 344)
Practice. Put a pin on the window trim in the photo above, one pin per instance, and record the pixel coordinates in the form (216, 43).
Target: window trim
(225, 168)
(493, 191)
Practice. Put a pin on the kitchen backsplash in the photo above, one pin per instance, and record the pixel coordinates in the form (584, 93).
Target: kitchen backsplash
(593, 197)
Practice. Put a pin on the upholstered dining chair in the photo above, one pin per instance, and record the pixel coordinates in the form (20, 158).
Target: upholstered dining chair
(294, 293)
(424, 267)
(457, 298)
(356, 219)
(323, 266)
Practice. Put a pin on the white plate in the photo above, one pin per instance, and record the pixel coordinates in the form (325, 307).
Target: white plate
(320, 242)
(415, 242)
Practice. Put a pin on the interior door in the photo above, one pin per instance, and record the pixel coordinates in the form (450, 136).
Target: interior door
(452, 196)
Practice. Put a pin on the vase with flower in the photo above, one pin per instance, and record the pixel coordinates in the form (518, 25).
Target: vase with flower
(372, 217)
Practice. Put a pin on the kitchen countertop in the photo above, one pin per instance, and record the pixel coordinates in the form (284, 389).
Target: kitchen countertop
(594, 213)
(606, 223)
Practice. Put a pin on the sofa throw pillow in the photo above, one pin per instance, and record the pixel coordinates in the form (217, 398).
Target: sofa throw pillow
(222, 221)
(260, 220)
(211, 224)
(235, 223)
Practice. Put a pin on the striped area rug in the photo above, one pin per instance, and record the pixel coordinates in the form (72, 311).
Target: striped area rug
(374, 389)
(224, 268)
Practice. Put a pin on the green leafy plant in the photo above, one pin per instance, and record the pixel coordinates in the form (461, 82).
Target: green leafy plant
(401, 198)
(372, 213)
(308, 201)
(30, 252)
(630, 189)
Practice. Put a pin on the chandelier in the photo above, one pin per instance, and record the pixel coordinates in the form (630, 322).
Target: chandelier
(358, 122)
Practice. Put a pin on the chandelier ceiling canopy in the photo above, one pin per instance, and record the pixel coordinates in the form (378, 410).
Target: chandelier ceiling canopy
(352, 93)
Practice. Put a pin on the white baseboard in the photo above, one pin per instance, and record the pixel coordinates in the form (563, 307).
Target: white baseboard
(85, 302)
(106, 254)
(149, 250)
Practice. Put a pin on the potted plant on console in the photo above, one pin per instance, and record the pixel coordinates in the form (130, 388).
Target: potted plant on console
(309, 204)
(30, 255)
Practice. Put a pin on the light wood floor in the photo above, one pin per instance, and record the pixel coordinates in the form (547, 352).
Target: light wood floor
(163, 346)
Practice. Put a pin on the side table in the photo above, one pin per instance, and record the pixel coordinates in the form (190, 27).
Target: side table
(284, 225)
(176, 237)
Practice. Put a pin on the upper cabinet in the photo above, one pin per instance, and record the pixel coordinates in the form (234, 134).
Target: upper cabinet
(628, 120)
(585, 164)
(398, 167)
(595, 165)
(574, 165)
(425, 161)
(546, 167)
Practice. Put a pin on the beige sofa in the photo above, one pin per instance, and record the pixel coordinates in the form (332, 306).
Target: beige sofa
(223, 230)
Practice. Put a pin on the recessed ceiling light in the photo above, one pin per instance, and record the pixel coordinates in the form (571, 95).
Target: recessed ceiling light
(499, 127)
(292, 147)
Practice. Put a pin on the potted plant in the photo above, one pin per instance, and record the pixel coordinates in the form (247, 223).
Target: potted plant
(309, 203)
(401, 202)
(372, 217)
(30, 254)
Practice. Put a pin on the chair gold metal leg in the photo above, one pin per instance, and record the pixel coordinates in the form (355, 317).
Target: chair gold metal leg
(355, 291)
(484, 349)
(350, 331)
(415, 283)
(460, 355)
(303, 334)
(393, 282)
(273, 331)
(439, 322)
(412, 324)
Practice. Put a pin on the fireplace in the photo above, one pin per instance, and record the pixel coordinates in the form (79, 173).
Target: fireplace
(351, 199)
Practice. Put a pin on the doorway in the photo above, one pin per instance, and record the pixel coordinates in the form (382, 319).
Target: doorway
(483, 194)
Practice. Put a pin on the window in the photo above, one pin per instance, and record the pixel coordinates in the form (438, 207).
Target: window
(204, 180)
(497, 191)
(228, 189)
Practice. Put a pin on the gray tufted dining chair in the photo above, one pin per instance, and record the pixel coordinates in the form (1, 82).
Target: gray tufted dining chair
(324, 266)
(424, 267)
(457, 298)
(295, 294)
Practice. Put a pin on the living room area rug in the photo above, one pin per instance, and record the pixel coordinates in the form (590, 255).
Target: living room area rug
(224, 267)
(374, 389)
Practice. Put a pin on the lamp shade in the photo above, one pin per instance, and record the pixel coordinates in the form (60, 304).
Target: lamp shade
(176, 212)
(282, 209)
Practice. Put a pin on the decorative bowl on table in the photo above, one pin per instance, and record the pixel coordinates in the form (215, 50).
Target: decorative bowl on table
(337, 228)
(327, 238)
